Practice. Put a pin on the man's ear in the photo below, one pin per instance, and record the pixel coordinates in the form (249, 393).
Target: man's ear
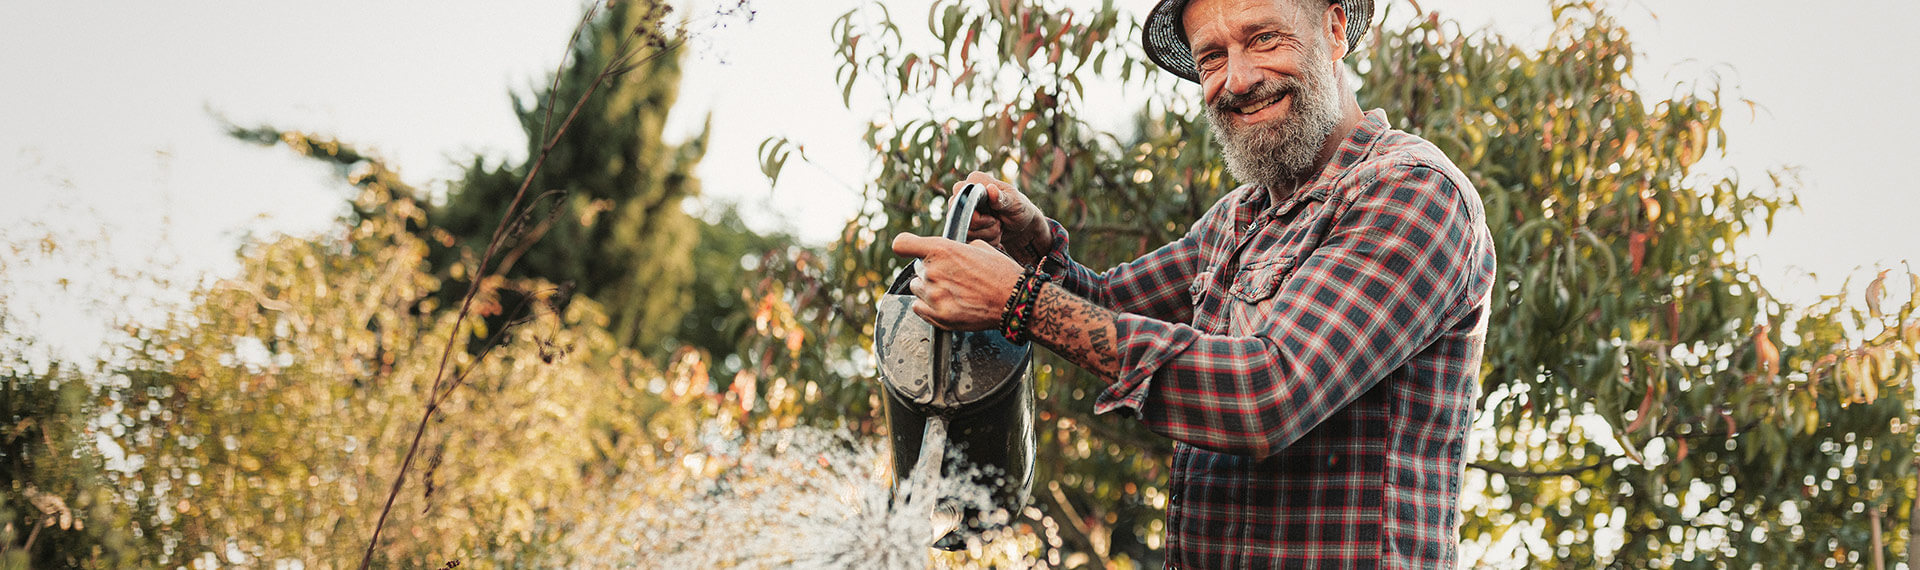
(1336, 26)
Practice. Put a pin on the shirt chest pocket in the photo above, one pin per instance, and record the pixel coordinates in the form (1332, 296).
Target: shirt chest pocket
(1252, 295)
(1198, 289)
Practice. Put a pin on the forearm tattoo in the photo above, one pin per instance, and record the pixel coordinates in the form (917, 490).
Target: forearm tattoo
(1077, 330)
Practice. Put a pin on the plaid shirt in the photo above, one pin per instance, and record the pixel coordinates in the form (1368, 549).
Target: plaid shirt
(1320, 393)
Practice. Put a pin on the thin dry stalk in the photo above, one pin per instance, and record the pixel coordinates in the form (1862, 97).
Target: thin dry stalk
(35, 534)
(441, 386)
(1879, 548)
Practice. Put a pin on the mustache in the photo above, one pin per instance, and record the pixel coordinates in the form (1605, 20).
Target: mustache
(1266, 89)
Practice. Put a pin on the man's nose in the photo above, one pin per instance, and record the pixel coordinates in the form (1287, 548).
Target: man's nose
(1242, 74)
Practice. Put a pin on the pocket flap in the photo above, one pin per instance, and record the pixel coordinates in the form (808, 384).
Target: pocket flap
(1199, 286)
(1255, 284)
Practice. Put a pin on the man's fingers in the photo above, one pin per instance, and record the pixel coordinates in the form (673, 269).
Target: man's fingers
(991, 234)
(920, 307)
(999, 194)
(981, 221)
(961, 185)
(917, 286)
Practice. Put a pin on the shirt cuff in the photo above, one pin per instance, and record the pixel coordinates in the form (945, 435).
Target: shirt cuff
(1147, 346)
(1056, 258)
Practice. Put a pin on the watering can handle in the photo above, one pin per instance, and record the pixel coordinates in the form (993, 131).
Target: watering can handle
(960, 211)
(959, 216)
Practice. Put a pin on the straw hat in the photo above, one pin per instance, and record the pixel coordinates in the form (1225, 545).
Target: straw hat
(1166, 35)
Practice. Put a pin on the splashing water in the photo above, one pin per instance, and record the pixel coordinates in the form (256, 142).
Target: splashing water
(790, 498)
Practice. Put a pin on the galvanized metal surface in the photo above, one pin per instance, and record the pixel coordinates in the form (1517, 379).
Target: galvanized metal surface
(976, 382)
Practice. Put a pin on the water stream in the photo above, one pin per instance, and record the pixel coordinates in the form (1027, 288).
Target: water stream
(793, 498)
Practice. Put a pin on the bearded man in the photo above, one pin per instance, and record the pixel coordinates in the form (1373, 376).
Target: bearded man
(1312, 343)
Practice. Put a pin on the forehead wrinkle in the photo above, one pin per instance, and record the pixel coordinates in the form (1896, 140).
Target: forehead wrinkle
(1277, 20)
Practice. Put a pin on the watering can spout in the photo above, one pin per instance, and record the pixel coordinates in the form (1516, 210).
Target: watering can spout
(966, 394)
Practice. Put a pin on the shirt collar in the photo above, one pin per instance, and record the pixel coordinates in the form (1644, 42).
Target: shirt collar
(1372, 124)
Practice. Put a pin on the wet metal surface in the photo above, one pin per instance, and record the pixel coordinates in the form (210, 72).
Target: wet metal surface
(977, 384)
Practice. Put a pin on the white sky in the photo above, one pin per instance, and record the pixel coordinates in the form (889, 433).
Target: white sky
(105, 124)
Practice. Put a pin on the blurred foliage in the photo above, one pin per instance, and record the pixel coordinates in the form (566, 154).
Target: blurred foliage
(608, 214)
(606, 206)
(267, 423)
(263, 425)
(1646, 404)
(56, 510)
(57, 507)
(720, 317)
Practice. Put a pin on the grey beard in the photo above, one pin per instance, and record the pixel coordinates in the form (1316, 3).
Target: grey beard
(1279, 155)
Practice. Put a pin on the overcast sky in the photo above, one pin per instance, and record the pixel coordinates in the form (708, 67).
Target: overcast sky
(106, 116)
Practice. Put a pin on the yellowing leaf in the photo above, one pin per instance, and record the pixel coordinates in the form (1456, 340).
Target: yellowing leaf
(1876, 292)
(1763, 348)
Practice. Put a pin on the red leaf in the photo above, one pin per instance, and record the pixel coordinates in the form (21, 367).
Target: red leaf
(1637, 250)
(1646, 411)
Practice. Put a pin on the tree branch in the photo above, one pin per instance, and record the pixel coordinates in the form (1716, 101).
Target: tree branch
(1075, 526)
(500, 236)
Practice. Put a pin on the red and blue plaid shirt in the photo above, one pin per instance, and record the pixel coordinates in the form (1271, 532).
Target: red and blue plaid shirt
(1321, 391)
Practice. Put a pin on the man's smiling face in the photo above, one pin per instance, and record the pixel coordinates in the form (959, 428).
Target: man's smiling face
(1269, 78)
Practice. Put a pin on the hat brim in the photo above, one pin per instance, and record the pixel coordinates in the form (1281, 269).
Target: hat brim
(1165, 34)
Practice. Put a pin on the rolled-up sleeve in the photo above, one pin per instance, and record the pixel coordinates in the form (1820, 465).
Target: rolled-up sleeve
(1382, 286)
(1154, 285)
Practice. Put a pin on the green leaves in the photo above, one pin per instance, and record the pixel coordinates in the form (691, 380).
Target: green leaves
(1622, 297)
(773, 155)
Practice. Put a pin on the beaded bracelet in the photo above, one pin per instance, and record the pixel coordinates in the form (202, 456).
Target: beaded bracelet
(1012, 325)
(1020, 304)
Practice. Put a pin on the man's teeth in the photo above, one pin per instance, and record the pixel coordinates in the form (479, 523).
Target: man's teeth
(1257, 106)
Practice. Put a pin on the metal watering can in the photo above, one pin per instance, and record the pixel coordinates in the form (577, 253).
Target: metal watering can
(965, 391)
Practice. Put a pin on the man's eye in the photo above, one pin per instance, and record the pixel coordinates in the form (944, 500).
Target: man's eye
(1265, 38)
(1211, 61)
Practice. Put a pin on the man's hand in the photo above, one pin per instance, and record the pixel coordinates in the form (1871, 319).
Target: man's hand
(1008, 221)
(961, 287)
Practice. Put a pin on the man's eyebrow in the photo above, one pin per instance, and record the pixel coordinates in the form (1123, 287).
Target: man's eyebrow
(1275, 25)
(1202, 47)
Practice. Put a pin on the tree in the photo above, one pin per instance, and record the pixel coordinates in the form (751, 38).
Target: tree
(611, 186)
(1698, 421)
(1645, 402)
(613, 223)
